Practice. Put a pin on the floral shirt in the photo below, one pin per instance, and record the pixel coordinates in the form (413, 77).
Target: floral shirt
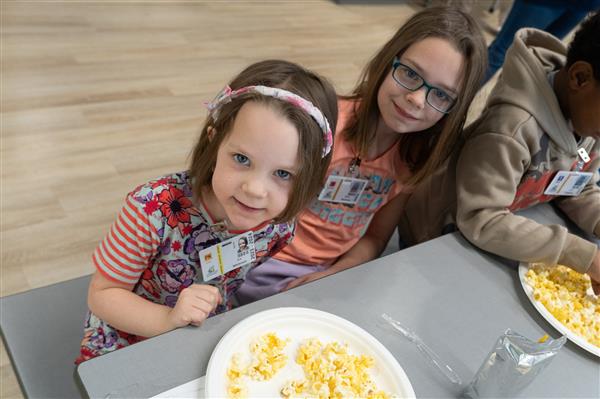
(154, 245)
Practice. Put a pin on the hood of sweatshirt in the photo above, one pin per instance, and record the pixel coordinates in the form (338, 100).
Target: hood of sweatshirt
(530, 59)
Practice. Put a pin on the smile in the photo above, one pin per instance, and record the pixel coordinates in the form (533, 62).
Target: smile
(245, 207)
(403, 113)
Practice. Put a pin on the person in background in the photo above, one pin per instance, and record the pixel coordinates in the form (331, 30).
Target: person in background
(537, 140)
(557, 17)
(399, 124)
(169, 259)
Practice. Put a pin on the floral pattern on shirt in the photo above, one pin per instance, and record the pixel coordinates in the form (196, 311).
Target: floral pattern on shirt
(183, 227)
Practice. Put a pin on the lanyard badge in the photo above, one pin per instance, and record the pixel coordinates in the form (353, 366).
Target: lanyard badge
(228, 255)
(571, 183)
(344, 189)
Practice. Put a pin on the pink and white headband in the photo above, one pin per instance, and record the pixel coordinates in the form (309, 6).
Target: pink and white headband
(227, 94)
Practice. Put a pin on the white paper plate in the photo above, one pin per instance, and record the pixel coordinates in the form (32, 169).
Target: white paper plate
(298, 324)
(576, 339)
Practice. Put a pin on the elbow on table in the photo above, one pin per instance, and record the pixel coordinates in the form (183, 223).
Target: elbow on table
(474, 228)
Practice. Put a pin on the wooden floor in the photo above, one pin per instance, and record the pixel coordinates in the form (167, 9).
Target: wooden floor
(98, 97)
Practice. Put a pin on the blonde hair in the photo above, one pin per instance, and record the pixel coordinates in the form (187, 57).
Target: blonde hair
(427, 150)
(298, 80)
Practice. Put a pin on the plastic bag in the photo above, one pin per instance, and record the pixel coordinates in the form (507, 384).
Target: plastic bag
(512, 364)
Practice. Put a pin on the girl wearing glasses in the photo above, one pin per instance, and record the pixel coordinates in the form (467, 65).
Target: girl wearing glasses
(399, 124)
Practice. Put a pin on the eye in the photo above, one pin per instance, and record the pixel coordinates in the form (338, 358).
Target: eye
(241, 159)
(440, 95)
(409, 73)
(283, 174)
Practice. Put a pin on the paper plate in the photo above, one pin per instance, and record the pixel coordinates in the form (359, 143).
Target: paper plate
(576, 339)
(298, 324)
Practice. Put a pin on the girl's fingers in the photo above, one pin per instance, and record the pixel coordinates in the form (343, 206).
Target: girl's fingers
(198, 314)
(207, 293)
(203, 307)
(197, 302)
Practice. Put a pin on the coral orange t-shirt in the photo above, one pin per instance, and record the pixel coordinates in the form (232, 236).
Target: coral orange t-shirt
(326, 230)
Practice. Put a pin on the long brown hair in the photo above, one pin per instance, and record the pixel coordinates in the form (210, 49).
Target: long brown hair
(298, 80)
(427, 150)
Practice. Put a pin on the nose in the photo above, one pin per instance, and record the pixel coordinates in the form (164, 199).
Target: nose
(417, 98)
(255, 186)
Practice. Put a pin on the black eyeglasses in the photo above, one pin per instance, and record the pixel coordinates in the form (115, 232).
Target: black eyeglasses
(406, 77)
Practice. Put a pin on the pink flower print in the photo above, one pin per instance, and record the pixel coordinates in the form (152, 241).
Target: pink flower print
(174, 275)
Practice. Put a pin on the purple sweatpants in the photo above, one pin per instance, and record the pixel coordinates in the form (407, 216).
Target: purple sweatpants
(271, 277)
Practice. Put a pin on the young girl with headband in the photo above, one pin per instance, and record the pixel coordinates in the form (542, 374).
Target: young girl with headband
(183, 243)
(399, 125)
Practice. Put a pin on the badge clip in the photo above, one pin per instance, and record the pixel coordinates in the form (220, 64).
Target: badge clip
(353, 167)
(585, 157)
(218, 227)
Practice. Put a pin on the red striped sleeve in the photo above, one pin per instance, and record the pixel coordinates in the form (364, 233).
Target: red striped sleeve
(118, 246)
(129, 245)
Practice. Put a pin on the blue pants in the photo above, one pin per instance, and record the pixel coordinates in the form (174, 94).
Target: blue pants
(556, 17)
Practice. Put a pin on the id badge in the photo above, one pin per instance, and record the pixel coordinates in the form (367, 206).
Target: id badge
(568, 183)
(227, 256)
(342, 189)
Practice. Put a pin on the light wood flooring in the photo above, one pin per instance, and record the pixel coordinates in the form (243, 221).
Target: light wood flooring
(98, 97)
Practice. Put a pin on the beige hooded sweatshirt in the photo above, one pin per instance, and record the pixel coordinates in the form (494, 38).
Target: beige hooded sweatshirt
(513, 152)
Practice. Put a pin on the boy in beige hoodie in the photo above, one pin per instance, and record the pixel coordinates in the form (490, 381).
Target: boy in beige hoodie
(537, 140)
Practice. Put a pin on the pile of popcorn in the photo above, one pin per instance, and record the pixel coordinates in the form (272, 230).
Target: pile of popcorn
(568, 296)
(267, 359)
(329, 370)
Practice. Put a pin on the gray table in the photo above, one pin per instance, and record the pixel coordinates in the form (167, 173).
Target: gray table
(457, 298)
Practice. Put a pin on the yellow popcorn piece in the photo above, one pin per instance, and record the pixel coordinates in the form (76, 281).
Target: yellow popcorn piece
(543, 339)
(267, 359)
(293, 388)
(237, 390)
(332, 373)
(564, 293)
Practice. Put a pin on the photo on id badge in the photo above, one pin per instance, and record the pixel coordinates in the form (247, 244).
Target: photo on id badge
(242, 247)
(330, 190)
(342, 189)
(242, 252)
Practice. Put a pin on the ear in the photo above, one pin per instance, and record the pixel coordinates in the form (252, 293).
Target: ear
(580, 75)
(211, 132)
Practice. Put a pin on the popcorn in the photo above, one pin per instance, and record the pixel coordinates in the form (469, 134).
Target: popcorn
(564, 293)
(267, 359)
(329, 370)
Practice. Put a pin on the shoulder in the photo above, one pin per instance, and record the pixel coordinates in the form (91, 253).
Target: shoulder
(505, 120)
(163, 196)
(175, 184)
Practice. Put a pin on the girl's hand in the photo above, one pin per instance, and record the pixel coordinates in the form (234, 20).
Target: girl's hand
(594, 272)
(307, 278)
(194, 305)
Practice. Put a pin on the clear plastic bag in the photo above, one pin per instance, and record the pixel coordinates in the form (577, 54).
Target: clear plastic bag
(511, 365)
